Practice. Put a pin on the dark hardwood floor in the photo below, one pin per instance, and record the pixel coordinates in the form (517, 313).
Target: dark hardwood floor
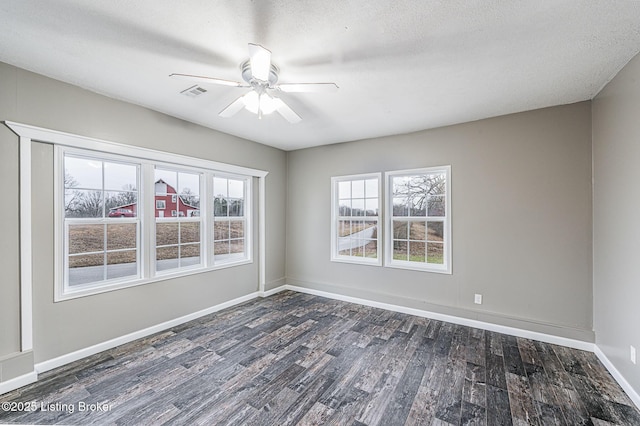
(294, 358)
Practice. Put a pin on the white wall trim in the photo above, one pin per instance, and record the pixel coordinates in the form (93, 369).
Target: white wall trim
(262, 232)
(26, 274)
(18, 382)
(56, 137)
(534, 335)
(109, 344)
(631, 392)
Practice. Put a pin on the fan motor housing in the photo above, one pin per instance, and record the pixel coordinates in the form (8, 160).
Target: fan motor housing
(247, 75)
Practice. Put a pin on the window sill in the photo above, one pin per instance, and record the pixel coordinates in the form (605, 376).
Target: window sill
(84, 291)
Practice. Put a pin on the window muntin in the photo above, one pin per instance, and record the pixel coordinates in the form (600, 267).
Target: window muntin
(418, 224)
(101, 227)
(355, 221)
(229, 219)
(177, 234)
(102, 192)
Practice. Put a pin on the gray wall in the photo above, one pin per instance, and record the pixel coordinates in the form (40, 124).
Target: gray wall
(616, 213)
(521, 223)
(60, 328)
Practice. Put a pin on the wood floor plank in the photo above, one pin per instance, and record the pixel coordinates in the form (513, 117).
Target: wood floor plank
(295, 358)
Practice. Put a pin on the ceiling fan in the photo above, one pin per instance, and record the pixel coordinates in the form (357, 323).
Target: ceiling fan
(262, 77)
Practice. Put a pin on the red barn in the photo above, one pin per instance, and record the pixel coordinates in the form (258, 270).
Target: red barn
(168, 204)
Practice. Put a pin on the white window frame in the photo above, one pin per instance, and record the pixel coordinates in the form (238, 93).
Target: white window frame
(147, 159)
(336, 218)
(246, 218)
(162, 203)
(67, 222)
(175, 218)
(444, 268)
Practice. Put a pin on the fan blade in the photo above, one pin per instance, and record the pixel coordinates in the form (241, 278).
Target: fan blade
(308, 87)
(260, 61)
(284, 110)
(206, 80)
(233, 108)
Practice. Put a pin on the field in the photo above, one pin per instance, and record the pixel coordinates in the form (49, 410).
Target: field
(173, 239)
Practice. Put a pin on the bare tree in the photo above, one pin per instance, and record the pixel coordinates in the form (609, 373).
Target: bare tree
(419, 194)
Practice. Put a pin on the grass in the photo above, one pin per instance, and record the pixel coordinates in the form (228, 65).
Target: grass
(84, 239)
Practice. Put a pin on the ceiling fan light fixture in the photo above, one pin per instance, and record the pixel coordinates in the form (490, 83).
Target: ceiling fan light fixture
(267, 104)
(251, 101)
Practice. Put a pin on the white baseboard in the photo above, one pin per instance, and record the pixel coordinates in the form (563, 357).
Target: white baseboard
(18, 382)
(631, 392)
(82, 353)
(109, 344)
(543, 337)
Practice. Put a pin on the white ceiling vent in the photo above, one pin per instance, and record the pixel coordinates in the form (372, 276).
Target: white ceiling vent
(194, 91)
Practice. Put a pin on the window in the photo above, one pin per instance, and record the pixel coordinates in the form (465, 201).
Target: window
(230, 228)
(126, 220)
(101, 225)
(354, 225)
(178, 237)
(418, 219)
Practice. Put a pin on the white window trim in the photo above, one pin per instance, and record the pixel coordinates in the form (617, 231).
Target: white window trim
(248, 223)
(30, 134)
(335, 256)
(445, 268)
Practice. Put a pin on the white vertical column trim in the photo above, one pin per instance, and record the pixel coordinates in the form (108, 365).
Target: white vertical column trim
(26, 278)
(262, 232)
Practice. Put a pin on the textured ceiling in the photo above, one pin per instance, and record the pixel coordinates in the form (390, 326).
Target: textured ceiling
(401, 65)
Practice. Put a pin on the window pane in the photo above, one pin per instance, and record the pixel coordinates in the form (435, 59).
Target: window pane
(189, 232)
(344, 208)
(400, 230)
(371, 206)
(357, 189)
(237, 246)
(435, 231)
(400, 250)
(221, 230)
(189, 183)
(86, 268)
(118, 177)
(357, 207)
(371, 188)
(371, 249)
(417, 251)
(121, 264)
(417, 206)
(236, 208)
(121, 204)
(436, 205)
(121, 236)
(435, 253)
(220, 187)
(166, 233)
(82, 173)
(220, 207)
(417, 231)
(83, 204)
(236, 188)
(85, 238)
(400, 186)
(344, 228)
(220, 248)
(166, 258)
(236, 229)
(190, 251)
(344, 189)
(165, 179)
(400, 207)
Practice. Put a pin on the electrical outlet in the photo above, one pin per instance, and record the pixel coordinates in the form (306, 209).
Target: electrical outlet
(477, 299)
(632, 353)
